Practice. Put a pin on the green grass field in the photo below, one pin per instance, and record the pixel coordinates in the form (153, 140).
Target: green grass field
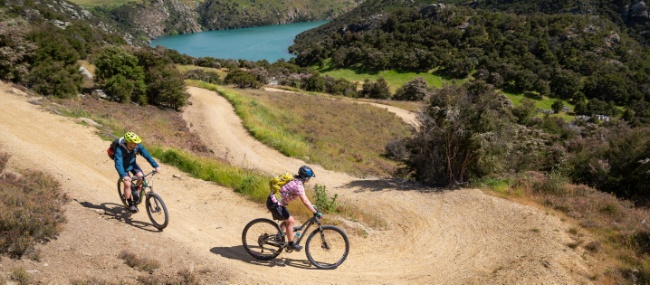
(396, 79)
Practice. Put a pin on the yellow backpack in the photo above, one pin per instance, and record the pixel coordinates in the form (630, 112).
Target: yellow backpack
(280, 180)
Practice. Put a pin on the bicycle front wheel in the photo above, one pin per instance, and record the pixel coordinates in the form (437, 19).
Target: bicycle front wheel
(328, 247)
(157, 211)
(263, 239)
(120, 192)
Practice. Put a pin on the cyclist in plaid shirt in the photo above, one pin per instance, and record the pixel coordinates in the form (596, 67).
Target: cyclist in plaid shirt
(289, 192)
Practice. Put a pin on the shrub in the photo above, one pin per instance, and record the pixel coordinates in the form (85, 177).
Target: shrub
(552, 184)
(324, 203)
(414, 90)
(21, 276)
(55, 78)
(144, 264)
(205, 76)
(396, 149)
(31, 210)
(242, 79)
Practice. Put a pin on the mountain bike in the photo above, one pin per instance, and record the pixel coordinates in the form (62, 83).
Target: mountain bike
(326, 247)
(156, 209)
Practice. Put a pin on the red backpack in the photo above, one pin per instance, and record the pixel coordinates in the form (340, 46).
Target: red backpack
(112, 147)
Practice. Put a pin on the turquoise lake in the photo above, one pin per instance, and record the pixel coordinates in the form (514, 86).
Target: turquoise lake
(258, 43)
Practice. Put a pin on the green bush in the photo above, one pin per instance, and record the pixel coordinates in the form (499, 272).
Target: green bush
(120, 72)
(54, 78)
(323, 202)
(242, 79)
(166, 88)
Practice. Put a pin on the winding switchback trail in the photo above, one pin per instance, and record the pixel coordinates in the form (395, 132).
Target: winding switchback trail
(429, 236)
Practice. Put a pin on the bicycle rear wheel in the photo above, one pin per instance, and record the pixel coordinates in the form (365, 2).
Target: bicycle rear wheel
(157, 211)
(263, 239)
(327, 248)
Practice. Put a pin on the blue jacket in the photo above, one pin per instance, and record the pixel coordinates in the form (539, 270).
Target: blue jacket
(125, 160)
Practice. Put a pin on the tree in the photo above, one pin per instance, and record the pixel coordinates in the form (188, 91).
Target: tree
(115, 62)
(565, 84)
(557, 106)
(461, 135)
(376, 90)
(414, 90)
(166, 87)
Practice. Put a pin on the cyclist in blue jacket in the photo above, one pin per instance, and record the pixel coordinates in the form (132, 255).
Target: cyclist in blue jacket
(125, 152)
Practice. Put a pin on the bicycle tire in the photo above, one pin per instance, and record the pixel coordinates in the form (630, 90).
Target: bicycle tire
(157, 211)
(260, 235)
(120, 192)
(328, 247)
(121, 195)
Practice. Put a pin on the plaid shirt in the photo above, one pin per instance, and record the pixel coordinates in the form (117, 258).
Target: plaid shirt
(291, 191)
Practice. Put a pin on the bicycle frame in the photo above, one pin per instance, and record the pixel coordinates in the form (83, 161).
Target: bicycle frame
(145, 184)
(304, 228)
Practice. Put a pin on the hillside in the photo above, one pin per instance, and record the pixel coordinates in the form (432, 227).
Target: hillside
(157, 18)
(591, 62)
(430, 235)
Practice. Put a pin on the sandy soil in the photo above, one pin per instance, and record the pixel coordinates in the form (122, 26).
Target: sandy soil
(431, 236)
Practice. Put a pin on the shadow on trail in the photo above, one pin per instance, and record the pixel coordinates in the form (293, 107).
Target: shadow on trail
(238, 253)
(390, 184)
(118, 212)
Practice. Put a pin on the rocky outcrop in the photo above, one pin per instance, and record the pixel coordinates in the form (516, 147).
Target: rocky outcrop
(61, 13)
(223, 14)
(155, 18)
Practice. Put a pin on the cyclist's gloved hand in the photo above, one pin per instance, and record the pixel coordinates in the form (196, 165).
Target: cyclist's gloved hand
(319, 215)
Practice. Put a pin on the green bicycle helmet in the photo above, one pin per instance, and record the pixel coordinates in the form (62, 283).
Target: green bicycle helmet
(131, 137)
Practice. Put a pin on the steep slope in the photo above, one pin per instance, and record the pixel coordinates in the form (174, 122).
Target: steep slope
(430, 236)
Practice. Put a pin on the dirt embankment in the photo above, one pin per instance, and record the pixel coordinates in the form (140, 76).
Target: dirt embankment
(431, 236)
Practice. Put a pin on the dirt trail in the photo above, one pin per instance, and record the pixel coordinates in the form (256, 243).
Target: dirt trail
(441, 237)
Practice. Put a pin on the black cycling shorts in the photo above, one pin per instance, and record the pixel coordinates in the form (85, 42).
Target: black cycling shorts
(279, 212)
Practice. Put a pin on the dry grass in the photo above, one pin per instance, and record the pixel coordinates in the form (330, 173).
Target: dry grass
(614, 231)
(185, 68)
(155, 126)
(21, 276)
(343, 136)
(141, 263)
(31, 210)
